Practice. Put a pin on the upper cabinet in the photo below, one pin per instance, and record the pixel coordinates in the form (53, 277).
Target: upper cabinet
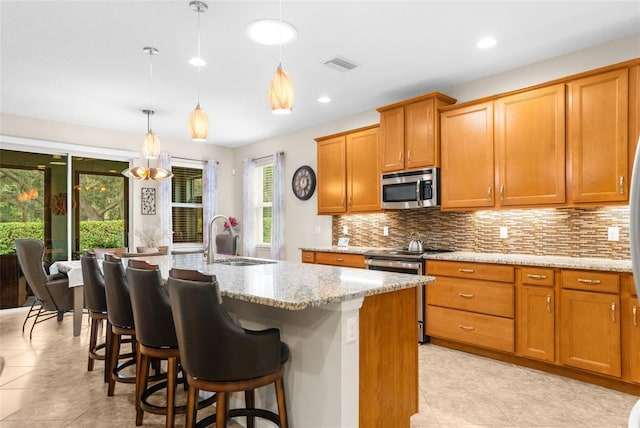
(598, 126)
(348, 175)
(566, 143)
(530, 147)
(409, 132)
(467, 139)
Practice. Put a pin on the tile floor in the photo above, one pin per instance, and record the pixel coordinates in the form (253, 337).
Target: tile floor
(45, 384)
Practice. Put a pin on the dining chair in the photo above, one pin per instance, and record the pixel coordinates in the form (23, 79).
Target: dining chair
(222, 357)
(95, 300)
(53, 297)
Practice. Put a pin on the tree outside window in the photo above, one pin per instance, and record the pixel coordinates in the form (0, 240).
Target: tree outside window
(264, 204)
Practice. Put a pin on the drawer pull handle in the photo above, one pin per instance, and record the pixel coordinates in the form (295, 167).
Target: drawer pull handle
(548, 303)
(502, 193)
(466, 295)
(489, 190)
(400, 157)
(613, 312)
(409, 156)
(466, 327)
(589, 281)
(536, 276)
(621, 185)
(339, 259)
(465, 270)
(634, 311)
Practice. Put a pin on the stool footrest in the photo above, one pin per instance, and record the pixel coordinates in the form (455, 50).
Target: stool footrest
(234, 413)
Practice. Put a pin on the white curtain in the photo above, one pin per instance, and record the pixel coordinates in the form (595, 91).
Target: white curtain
(164, 204)
(249, 208)
(277, 220)
(209, 197)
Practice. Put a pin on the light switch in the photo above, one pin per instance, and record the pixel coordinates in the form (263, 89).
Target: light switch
(504, 232)
(385, 231)
(614, 233)
(345, 230)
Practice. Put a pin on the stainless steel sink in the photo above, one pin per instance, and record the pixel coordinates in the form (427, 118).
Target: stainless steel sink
(243, 262)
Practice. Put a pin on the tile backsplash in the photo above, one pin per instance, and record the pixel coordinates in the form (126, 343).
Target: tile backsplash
(576, 232)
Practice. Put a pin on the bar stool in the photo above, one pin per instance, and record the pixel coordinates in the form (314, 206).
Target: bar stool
(96, 303)
(219, 355)
(156, 338)
(120, 316)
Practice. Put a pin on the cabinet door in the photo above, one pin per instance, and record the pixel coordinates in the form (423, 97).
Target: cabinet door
(331, 176)
(467, 157)
(420, 134)
(392, 138)
(530, 147)
(590, 331)
(363, 177)
(598, 126)
(631, 313)
(535, 328)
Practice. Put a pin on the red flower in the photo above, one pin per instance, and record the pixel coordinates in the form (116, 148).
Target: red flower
(234, 223)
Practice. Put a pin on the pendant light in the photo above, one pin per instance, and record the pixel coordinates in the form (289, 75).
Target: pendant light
(151, 144)
(198, 120)
(281, 87)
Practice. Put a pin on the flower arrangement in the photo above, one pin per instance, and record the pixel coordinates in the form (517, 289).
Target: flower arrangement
(234, 224)
(151, 236)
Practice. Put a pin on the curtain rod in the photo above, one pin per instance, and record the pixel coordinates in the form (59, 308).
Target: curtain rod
(266, 157)
(192, 160)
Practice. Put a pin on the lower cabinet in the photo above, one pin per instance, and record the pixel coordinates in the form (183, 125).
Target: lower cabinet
(590, 322)
(630, 320)
(333, 259)
(535, 314)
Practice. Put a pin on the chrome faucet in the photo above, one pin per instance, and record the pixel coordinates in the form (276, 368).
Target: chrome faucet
(211, 246)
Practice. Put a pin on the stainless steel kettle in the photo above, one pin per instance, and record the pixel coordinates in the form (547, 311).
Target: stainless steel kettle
(415, 246)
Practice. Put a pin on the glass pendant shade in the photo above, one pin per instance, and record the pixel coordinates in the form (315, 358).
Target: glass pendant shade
(281, 92)
(198, 124)
(151, 147)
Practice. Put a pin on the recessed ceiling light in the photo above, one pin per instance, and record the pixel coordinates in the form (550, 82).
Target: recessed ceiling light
(196, 61)
(324, 99)
(271, 32)
(486, 42)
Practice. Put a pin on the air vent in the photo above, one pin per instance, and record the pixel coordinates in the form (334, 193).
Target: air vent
(341, 64)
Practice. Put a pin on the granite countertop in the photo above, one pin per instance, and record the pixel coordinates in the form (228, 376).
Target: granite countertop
(291, 285)
(563, 262)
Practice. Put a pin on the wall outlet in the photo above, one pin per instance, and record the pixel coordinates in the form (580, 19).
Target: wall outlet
(345, 230)
(504, 232)
(614, 233)
(352, 329)
(385, 231)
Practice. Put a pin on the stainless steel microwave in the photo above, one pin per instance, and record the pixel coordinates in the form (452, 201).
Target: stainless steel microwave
(411, 189)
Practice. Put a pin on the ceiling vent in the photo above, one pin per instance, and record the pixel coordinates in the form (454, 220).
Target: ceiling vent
(341, 64)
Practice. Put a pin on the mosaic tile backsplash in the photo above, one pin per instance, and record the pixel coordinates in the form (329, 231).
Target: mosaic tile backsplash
(574, 232)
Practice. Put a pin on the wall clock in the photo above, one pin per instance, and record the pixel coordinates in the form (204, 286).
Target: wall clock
(304, 182)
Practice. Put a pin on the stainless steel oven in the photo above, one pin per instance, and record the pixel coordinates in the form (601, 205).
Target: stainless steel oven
(403, 261)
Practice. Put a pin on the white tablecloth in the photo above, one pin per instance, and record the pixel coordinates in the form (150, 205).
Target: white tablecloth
(72, 268)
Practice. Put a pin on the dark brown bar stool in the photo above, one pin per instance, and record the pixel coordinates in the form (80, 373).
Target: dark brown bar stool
(96, 303)
(156, 338)
(120, 316)
(220, 356)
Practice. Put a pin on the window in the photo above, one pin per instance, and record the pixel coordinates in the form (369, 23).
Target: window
(186, 205)
(264, 203)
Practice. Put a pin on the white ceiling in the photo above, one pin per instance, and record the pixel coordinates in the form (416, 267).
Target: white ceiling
(82, 62)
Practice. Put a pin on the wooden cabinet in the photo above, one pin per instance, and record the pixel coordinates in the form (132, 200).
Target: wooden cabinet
(467, 139)
(333, 259)
(535, 314)
(530, 147)
(630, 329)
(471, 303)
(598, 126)
(590, 322)
(348, 175)
(409, 132)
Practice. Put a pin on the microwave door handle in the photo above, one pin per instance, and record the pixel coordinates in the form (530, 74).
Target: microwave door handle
(419, 190)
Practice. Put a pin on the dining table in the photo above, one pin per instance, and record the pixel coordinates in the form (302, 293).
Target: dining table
(73, 270)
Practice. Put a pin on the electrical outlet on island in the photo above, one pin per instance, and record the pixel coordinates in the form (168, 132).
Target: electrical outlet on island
(504, 232)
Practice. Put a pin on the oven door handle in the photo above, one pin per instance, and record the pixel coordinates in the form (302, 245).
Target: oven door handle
(394, 264)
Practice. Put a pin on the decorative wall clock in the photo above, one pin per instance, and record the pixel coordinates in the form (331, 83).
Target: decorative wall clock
(304, 182)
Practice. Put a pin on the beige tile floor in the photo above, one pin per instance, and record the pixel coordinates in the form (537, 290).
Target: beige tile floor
(45, 384)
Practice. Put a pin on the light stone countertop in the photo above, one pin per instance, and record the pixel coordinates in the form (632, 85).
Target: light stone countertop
(562, 262)
(291, 285)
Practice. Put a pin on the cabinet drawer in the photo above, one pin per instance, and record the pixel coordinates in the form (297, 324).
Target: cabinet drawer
(493, 298)
(475, 329)
(340, 259)
(537, 276)
(489, 272)
(591, 281)
(308, 257)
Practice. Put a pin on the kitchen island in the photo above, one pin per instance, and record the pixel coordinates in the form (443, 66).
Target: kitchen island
(352, 335)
